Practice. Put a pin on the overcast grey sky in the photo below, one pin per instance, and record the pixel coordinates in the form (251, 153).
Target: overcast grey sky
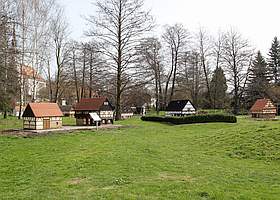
(257, 20)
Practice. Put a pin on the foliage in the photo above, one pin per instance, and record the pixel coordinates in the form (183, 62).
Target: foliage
(218, 87)
(258, 82)
(192, 119)
(274, 60)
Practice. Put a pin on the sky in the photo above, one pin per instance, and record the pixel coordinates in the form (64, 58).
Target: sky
(257, 20)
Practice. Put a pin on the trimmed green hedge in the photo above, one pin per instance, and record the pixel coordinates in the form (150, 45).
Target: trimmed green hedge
(192, 119)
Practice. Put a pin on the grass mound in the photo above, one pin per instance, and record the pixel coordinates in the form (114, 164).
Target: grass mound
(263, 144)
(248, 141)
(192, 119)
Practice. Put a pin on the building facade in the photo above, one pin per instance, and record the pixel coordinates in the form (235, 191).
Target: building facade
(86, 107)
(263, 108)
(41, 116)
(180, 108)
(33, 82)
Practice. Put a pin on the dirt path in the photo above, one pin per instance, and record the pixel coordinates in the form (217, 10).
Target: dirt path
(64, 129)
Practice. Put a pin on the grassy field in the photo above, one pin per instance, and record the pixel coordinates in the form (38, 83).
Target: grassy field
(14, 123)
(10, 123)
(146, 160)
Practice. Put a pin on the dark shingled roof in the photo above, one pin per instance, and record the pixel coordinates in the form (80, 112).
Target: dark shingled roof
(177, 105)
(91, 104)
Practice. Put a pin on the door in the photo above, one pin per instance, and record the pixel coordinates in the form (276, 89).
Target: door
(46, 124)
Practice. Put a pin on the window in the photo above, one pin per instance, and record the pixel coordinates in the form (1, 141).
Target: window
(106, 103)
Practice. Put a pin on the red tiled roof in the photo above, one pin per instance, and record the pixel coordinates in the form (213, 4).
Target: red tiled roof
(90, 104)
(29, 72)
(260, 105)
(42, 110)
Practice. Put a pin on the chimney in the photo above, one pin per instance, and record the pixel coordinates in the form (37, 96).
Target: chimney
(63, 102)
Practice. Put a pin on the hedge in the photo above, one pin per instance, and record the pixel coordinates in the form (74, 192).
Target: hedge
(191, 119)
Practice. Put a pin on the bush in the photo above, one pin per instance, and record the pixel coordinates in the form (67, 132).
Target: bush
(192, 119)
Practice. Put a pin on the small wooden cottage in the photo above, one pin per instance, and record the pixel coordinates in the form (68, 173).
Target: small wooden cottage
(39, 116)
(86, 107)
(180, 108)
(263, 108)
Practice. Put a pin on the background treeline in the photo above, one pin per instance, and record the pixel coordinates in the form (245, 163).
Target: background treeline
(124, 60)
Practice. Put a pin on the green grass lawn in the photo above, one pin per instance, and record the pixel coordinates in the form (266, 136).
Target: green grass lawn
(68, 121)
(146, 160)
(14, 123)
(10, 123)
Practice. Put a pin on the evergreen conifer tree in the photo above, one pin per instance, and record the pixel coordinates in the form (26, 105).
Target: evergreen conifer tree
(258, 81)
(274, 61)
(218, 87)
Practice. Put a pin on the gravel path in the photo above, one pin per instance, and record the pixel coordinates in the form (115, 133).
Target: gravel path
(64, 129)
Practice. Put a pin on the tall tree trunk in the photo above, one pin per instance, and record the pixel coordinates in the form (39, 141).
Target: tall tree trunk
(34, 86)
(236, 88)
(118, 97)
(21, 91)
(160, 94)
(84, 74)
(90, 75)
(157, 92)
(207, 80)
(119, 66)
(76, 78)
(168, 80)
(196, 83)
(174, 74)
(57, 84)
(50, 82)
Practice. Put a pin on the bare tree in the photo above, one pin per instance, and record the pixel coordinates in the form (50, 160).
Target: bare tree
(150, 58)
(176, 38)
(39, 27)
(217, 55)
(118, 29)
(204, 47)
(59, 35)
(8, 57)
(84, 65)
(74, 68)
(236, 55)
(22, 20)
(190, 76)
(33, 17)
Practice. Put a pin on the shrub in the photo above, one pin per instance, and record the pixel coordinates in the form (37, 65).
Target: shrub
(192, 119)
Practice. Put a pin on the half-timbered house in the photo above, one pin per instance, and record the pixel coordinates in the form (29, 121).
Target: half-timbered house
(180, 108)
(263, 108)
(39, 116)
(86, 107)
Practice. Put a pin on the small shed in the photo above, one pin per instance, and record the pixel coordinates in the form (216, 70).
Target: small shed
(127, 113)
(263, 108)
(39, 116)
(86, 107)
(180, 108)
